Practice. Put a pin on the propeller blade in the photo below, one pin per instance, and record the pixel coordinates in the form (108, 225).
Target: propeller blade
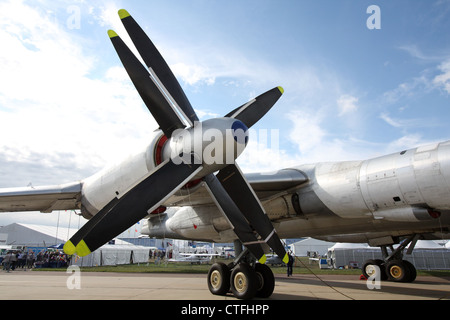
(252, 111)
(70, 246)
(155, 101)
(235, 217)
(242, 194)
(158, 66)
(133, 206)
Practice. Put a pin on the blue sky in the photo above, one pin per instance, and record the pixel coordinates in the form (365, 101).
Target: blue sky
(67, 107)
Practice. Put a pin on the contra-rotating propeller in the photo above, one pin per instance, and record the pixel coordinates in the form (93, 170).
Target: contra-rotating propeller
(165, 99)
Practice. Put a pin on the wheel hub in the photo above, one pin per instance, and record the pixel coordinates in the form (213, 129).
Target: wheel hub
(396, 272)
(216, 279)
(371, 270)
(240, 282)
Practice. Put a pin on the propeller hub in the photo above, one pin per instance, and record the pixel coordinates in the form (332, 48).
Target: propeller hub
(214, 143)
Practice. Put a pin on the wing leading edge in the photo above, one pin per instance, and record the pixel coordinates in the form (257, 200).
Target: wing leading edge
(44, 199)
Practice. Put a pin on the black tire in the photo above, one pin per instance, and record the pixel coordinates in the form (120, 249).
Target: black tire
(398, 271)
(368, 271)
(412, 271)
(266, 281)
(382, 266)
(244, 282)
(219, 279)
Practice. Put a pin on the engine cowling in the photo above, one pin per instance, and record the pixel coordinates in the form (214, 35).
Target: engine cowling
(116, 180)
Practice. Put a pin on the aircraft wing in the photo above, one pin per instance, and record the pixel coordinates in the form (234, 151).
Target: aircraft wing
(265, 185)
(44, 199)
(68, 196)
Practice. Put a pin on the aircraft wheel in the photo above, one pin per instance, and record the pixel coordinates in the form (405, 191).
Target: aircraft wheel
(219, 279)
(266, 281)
(368, 269)
(244, 282)
(398, 271)
(412, 271)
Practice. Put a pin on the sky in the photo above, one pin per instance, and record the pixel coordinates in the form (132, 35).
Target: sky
(359, 82)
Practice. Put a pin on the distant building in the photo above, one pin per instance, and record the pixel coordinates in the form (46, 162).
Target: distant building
(32, 235)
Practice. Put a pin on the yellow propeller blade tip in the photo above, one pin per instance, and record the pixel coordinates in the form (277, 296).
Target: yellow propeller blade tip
(69, 248)
(82, 249)
(263, 259)
(123, 13)
(281, 89)
(286, 258)
(112, 34)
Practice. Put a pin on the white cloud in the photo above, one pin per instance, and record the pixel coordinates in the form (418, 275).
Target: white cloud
(443, 80)
(193, 74)
(347, 104)
(307, 132)
(391, 121)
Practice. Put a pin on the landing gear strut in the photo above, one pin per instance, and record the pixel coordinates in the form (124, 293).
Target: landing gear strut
(244, 278)
(393, 267)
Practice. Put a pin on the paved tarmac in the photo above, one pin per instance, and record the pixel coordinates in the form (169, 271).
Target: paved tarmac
(40, 285)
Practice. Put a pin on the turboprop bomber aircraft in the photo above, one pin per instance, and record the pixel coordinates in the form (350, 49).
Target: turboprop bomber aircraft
(186, 184)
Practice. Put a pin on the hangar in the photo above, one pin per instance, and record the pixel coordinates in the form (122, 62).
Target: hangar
(33, 235)
(38, 236)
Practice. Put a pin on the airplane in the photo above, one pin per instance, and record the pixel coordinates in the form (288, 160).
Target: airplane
(186, 184)
(194, 258)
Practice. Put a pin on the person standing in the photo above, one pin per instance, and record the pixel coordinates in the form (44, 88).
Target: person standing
(7, 261)
(14, 261)
(290, 264)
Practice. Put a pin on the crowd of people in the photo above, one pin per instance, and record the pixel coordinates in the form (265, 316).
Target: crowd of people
(16, 259)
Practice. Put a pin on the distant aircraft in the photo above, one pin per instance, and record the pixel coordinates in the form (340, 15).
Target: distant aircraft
(194, 258)
(187, 185)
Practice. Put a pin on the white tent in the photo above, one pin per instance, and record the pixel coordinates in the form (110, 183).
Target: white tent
(351, 254)
(113, 254)
(426, 244)
(302, 247)
(427, 255)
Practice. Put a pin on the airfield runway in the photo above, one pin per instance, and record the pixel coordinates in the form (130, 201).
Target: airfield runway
(32, 285)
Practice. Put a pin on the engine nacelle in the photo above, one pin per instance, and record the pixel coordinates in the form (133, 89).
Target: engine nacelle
(201, 223)
(116, 180)
(407, 214)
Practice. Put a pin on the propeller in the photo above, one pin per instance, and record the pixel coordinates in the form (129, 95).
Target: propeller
(165, 99)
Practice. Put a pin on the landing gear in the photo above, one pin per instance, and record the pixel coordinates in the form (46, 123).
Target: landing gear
(245, 280)
(393, 267)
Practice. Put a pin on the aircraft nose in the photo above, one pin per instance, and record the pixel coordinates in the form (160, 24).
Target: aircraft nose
(240, 132)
